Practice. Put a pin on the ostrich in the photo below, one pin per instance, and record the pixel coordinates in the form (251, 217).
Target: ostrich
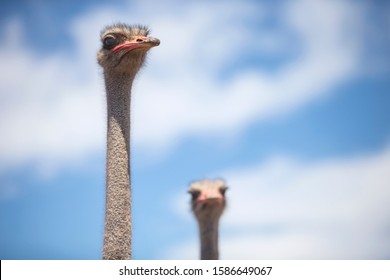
(208, 202)
(123, 52)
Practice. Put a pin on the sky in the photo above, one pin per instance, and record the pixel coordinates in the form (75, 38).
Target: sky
(287, 101)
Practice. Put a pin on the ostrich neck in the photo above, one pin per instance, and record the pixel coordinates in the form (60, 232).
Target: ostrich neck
(118, 228)
(209, 240)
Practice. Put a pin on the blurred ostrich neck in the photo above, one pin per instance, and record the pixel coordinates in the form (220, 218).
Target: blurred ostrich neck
(209, 239)
(118, 195)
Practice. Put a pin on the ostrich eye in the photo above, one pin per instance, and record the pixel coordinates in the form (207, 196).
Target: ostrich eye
(223, 190)
(109, 42)
(194, 194)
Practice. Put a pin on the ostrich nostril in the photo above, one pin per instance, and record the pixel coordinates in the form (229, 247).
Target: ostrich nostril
(139, 40)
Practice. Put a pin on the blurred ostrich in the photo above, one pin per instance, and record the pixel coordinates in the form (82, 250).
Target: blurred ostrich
(208, 202)
(123, 52)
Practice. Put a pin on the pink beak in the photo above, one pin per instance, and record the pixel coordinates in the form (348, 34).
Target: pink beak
(210, 195)
(141, 42)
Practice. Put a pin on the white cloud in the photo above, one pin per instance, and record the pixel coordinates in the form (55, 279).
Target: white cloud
(48, 112)
(53, 107)
(286, 209)
(187, 99)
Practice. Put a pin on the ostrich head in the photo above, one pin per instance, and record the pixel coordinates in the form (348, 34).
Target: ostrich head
(124, 47)
(208, 199)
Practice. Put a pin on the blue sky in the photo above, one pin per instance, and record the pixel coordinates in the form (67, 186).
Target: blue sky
(288, 101)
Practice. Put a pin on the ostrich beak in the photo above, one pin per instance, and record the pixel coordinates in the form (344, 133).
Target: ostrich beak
(152, 42)
(140, 42)
(211, 195)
